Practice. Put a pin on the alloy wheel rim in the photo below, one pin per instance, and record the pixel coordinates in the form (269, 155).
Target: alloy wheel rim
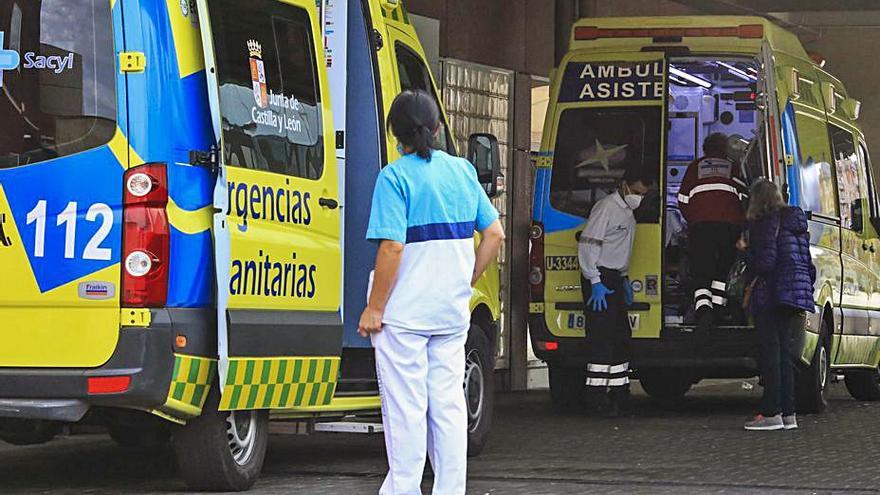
(823, 368)
(241, 434)
(473, 388)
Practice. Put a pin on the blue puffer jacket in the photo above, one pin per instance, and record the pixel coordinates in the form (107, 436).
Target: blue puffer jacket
(781, 262)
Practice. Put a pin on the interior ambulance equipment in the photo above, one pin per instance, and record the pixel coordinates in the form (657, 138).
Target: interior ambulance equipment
(644, 93)
(184, 193)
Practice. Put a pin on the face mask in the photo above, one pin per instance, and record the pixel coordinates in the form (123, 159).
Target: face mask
(633, 200)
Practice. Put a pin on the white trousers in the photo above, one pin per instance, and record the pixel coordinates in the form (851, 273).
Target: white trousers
(421, 378)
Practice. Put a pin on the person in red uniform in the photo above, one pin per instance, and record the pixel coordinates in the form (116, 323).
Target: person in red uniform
(711, 201)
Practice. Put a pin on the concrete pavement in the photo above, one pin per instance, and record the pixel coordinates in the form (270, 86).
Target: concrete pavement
(697, 447)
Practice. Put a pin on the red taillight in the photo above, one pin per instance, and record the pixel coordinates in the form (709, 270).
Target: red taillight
(108, 384)
(536, 262)
(746, 31)
(145, 237)
(548, 346)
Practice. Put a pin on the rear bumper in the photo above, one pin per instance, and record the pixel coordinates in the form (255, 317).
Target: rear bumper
(715, 354)
(146, 354)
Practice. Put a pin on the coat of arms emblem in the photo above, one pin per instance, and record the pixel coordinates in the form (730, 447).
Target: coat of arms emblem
(258, 73)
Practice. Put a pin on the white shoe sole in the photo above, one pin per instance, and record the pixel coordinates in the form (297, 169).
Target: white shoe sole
(790, 427)
(765, 428)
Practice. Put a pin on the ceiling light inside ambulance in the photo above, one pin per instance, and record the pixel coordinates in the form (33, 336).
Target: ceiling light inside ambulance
(138, 263)
(736, 71)
(688, 77)
(139, 184)
(746, 31)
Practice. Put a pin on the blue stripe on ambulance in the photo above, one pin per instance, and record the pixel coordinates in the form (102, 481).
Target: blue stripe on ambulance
(553, 219)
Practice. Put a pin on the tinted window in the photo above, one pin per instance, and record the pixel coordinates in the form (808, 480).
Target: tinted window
(595, 147)
(846, 164)
(60, 97)
(269, 96)
(414, 74)
(873, 199)
(818, 194)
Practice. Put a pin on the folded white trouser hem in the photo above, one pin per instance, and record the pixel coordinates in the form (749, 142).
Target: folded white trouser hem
(423, 408)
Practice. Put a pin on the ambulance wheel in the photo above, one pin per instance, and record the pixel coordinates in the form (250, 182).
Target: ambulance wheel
(666, 385)
(479, 388)
(568, 386)
(864, 385)
(812, 382)
(151, 438)
(220, 450)
(27, 431)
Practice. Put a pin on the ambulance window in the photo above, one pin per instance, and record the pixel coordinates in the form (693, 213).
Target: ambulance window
(849, 190)
(269, 94)
(60, 96)
(818, 192)
(865, 159)
(595, 147)
(413, 74)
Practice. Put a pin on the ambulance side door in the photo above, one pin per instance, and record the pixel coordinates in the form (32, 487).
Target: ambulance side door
(281, 276)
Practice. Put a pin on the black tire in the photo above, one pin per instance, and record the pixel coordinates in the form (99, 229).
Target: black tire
(863, 385)
(133, 438)
(28, 432)
(665, 385)
(479, 388)
(206, 455)
(812, 382)
(568, 387)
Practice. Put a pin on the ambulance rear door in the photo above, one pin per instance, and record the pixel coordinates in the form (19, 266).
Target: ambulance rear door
(609, 117)
(277, 228)
(63, 152)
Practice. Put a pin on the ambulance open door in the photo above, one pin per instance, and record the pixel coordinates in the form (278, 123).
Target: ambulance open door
(277, 225)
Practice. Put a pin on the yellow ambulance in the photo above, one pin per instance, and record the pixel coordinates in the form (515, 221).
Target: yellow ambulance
(184, 192)
(644, 93)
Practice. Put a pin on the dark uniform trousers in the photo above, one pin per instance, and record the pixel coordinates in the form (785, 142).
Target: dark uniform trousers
(712, 253)
(608, 338)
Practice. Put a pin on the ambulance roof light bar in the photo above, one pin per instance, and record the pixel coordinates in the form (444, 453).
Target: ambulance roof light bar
(744, 31)
(688, 77)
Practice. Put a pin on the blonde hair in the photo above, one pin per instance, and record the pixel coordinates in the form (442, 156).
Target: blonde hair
(764, 199)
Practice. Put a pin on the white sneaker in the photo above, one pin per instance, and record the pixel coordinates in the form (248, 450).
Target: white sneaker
(764, 423)
(789, 422)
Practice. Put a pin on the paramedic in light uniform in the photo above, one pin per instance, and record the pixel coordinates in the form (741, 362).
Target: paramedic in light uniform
(426, 207)
(604, 249)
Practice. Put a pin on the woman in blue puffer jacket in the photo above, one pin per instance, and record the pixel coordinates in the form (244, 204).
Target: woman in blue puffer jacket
(781, 267)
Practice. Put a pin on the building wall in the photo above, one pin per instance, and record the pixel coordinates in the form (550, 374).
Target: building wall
(511, 34)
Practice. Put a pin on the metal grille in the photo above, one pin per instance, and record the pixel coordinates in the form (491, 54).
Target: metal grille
(479, 99)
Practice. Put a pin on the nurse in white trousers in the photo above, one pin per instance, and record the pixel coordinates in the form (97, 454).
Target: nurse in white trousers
(426, 207)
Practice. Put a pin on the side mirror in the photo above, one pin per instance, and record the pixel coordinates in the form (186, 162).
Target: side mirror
(484, 154)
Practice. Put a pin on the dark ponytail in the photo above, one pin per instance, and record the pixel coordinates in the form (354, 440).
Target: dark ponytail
(413, 119)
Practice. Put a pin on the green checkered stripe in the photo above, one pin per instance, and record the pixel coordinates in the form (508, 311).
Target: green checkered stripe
(279, 383)
(190, 380)
(397, 14)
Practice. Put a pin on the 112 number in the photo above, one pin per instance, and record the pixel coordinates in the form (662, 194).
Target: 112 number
(67, 218)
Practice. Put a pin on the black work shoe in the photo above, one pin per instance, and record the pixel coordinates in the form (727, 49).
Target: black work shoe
(705, 319)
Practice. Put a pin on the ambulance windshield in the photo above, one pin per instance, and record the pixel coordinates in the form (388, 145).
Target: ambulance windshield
(57, 79)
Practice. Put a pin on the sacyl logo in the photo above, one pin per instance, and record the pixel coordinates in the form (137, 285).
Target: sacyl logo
(56, 63)
(9, 59)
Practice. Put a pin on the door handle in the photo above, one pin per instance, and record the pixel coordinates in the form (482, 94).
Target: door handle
(328, 203)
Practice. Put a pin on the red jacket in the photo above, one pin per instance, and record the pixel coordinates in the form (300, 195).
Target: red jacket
(712, 190)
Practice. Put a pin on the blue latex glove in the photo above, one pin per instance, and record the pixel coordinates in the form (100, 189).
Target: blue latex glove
(628, 296)
(598, 293)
